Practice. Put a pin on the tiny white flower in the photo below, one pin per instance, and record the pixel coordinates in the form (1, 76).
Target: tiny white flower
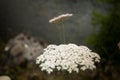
(49, 70)
(83, 68)
(76, 69)
(58, 67)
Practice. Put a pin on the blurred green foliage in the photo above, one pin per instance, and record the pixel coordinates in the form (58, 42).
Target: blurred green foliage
(104, 40)
(106, 34)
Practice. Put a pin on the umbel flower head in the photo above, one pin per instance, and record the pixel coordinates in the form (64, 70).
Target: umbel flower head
(68, 57)
(60, 18)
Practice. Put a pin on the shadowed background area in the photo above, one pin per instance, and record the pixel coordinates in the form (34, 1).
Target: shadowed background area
(32, 17)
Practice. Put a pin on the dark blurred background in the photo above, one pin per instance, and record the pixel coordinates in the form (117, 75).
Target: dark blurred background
(32, 17)
(95, 23)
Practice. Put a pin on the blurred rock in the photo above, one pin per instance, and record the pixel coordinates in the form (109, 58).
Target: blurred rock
(119, 45)
(25, 47)
(4, 78)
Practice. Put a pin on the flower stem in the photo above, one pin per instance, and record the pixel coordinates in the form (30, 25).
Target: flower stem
(63, 33)
(60, 34)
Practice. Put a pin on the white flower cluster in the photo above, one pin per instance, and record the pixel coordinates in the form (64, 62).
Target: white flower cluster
(60, 17)
(67, 57)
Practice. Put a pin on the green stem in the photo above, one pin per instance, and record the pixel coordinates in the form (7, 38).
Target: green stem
(61, 30)
(60, 34)
(63, 33)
